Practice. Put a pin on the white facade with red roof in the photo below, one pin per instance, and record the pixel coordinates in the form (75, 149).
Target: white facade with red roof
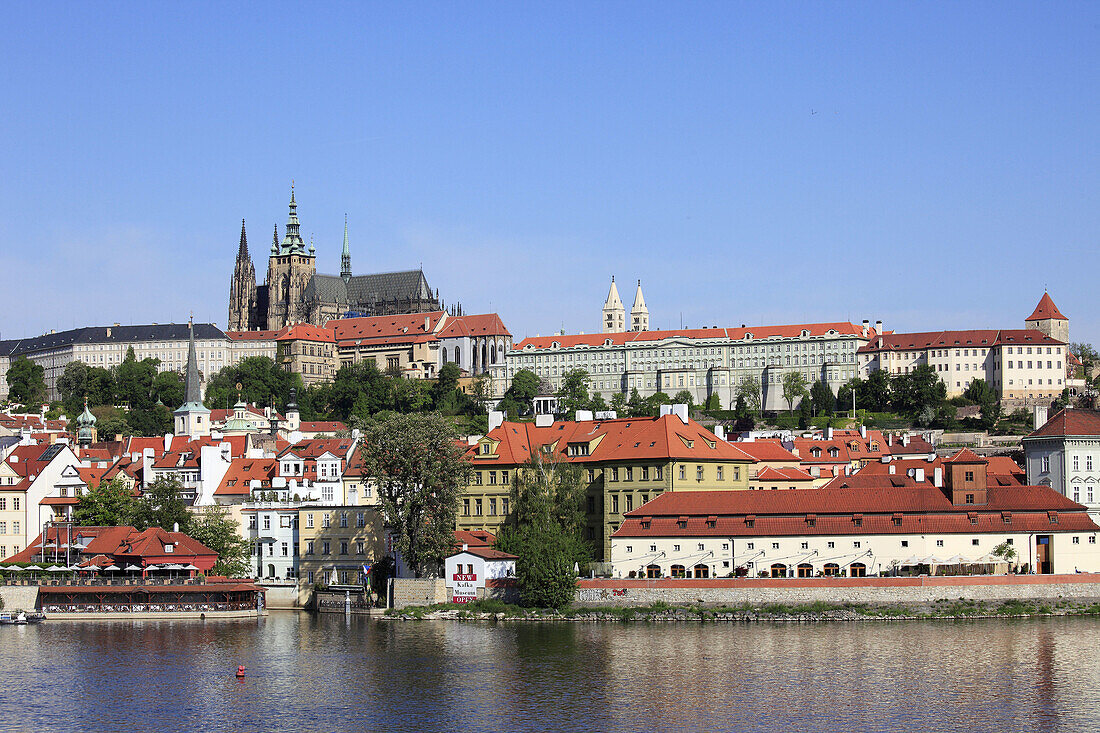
(703, 361)
(864, 524)
(1024, 366)
(28, 476)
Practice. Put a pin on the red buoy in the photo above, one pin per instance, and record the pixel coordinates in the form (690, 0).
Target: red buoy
(240, 671)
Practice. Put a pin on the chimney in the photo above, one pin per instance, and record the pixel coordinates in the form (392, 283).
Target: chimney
(863, 431)
(167, 442)
(866, 327)
(465, 546)
(496, 419)
(681, 411)
(878, 327)
(937, 477)
(829, 433)
(905, 440)
(1041, 415)
(175, 526)
(427, 324)
(890, 439)
(919, 476)
(583, 416)
(892, 469)
(720, 431)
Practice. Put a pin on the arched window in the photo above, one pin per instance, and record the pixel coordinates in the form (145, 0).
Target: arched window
(858, 570)
(653, 571)
(493, 354)
(485, 355)
(805, 570)
(779, 570)
(701, 571)
(677, 571)
(444, 355)
(831, 569)
(458, 356)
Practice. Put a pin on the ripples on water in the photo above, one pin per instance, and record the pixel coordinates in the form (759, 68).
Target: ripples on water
(331, 674)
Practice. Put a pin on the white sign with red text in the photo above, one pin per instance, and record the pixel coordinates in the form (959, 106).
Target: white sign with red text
(463, 587)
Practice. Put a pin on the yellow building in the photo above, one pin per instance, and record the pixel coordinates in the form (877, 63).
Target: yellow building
(624, 463)
(335, 542)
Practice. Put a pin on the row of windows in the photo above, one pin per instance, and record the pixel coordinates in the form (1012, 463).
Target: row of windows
(4, 530)
(491, 504)
(856, 545)
(14, 501)
(326, 547)
(492, 476)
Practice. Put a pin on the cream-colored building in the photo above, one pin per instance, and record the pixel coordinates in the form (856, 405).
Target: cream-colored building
(336, 542)
(899, 524)
(309, 351)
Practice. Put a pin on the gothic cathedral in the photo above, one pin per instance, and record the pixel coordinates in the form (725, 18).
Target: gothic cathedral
(294, 293)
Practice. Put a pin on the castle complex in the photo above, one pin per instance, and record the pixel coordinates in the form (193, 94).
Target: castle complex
(294, 292)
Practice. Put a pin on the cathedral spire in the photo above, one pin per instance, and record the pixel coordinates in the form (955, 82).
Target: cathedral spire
(242, 251)
(275, 241)
(193, 394)
(345, 256)
(292, 238)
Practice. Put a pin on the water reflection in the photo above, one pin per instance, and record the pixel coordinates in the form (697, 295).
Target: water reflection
(330, 673)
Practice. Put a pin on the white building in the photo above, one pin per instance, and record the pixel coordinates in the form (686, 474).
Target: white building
(853, 527)
(1064, 454)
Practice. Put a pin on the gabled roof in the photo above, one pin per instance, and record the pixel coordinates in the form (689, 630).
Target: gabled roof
(766, 450)
(376, 330)
(321, 426)
(984, 339)
(306, 332)
(242, 471)
(473, 538)
(485, 324)
(1046, 309)
(965, 456)
(782, 474)
(1069, 421)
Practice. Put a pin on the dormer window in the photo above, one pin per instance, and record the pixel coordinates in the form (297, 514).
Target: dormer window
(486, 449)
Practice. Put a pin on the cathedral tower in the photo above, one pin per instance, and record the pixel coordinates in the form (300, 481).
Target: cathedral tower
(289, 270)
(243, 315)
(614, 312)
(639, 314)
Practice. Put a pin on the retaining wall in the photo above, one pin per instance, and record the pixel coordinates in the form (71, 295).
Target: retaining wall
(732, 592)
(19, 596)
(418, 592)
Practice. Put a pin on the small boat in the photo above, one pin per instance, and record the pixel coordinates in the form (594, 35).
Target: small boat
(12, 619)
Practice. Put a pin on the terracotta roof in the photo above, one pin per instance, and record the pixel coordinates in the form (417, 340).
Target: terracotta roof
(622, 439)
(315, 447)
(965, 456)
(402, 328)
(321, 426)
(242, 471)
(1069, 421)
(766, 450)
(488, 553)
(485, 324)
(951, 339)
(306, 332)
(473, 538)
(923, 508)
(726, 334)
(782, 474)
(1045, 309)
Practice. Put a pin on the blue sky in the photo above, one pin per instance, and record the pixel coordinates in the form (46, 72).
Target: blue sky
(930, 165)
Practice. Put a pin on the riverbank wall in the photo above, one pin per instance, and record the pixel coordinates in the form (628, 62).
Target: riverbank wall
(19, 596)
(609, 592)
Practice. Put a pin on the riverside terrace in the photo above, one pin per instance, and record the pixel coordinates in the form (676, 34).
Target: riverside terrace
(116, 598)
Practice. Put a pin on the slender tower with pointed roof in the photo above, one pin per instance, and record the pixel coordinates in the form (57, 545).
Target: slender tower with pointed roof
(345, 256)
(1048, 319)
(614, 312)
(289, 270)
(639, 314)
(192, 418)
(243, 315)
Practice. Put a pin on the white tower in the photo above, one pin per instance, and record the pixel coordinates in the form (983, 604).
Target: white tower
(639, 314)
(614, 312)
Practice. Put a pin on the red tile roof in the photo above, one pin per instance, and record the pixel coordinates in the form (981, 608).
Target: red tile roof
(124, 545)
(473, 538)
(485, 324)
(623, 439)
(379, 330)
(766, 450)
(488, 553)
(242, 471)
(1045, 309)
(733, 334)
(321, 426)
(1069, 421)
(922, 508)
(306, 332)
(251, 335)
(782, 474)
(951, 339)
(965, 456)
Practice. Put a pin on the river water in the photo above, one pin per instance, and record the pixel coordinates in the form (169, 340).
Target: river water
(328, 673)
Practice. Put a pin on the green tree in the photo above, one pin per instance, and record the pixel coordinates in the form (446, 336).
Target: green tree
(982, 394)
(111, 421)
(445, 396)
(794, 388)
(262, 381)
(714, 402)
(523, 390)
(598, 404)
(573, 394)
(72, 386)
(162, 505)
(213, 527)
(821, 396)
(636, 406)
(545, 531)
(26, 382)
(748, 390)
(919, 392)
(1006, 552)
(420, 472)
(618, 404)
(110, 504)
(654, 401)
(877, 392)
(134, 380)
(684, 397)
(844, 394)
(169, 388)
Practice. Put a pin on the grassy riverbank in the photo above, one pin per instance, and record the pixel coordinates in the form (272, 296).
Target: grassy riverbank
(747, 613)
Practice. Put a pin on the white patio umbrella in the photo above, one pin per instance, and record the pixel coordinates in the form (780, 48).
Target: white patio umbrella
(111, 567)
(55, 569)
(189, 566)
(32, 567)
(93, 566)
(133, 569)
